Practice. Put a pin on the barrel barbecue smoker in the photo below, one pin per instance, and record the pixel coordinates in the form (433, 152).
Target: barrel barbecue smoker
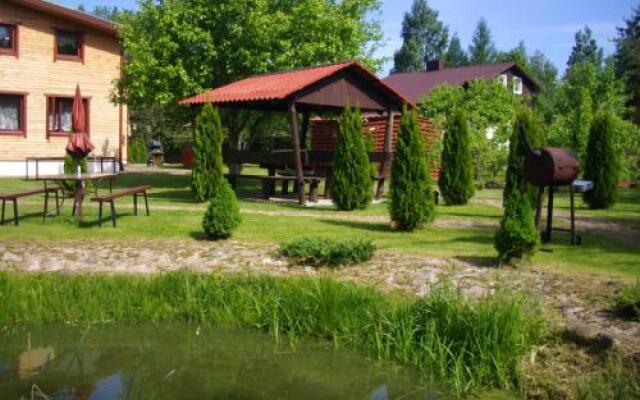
(551, 167)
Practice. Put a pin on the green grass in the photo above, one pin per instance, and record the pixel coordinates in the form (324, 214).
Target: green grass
(627, 302)
(321, 251)
(469, 345)
(174, 214)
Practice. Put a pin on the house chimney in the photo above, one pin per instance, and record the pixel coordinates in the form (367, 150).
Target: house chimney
(435, 65)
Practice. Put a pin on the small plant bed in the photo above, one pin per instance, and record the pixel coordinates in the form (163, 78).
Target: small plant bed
(627, 302)
(320, 251)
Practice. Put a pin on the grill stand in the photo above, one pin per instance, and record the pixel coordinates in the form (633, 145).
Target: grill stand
(546, 235)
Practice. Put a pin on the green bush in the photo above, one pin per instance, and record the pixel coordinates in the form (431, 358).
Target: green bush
(602, 165)
(467, 344)
(517, 236)
(223, 213)
(70, 167)
(627, 302)
(456, 175)
(515, 178)
(318, 251)
(207, 153)
(138, 152)
(352, 184)
(411, 199)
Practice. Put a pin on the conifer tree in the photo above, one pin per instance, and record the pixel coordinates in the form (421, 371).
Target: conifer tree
(352, 183)
(223, 213)
(203, 156)
(456, 176)
(482, 49)
(602, 162)
(455, 55)
(411, 200)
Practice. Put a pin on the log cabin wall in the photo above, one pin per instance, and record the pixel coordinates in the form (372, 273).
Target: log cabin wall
(36, 73)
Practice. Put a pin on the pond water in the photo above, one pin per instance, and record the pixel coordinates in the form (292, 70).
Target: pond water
(187, 362)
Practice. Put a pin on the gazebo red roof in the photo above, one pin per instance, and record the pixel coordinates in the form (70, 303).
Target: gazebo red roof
(281, 87)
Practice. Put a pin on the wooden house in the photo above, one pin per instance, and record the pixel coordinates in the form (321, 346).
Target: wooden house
(46, 50)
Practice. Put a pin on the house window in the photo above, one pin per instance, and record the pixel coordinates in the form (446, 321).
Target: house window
(517, 85)
(69, 46)
(12, 114)
(502, 79)
(59, 109)
(8, 40)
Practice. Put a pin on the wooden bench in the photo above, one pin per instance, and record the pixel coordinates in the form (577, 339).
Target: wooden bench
(13, 197)
(269, 183)
(110, 197)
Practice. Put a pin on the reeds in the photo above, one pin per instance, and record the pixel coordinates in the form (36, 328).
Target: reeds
(468, 344)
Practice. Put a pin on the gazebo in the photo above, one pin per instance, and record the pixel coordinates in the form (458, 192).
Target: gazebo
(314, 90)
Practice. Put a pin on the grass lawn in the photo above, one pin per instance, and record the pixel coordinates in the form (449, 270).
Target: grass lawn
(464, 232)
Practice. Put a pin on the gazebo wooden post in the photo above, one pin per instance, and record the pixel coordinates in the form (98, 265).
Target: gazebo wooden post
(387, 152)
(293, 122)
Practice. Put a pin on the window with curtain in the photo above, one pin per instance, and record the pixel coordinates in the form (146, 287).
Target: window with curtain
(69, 46)
(59, 111)
(7, 38)
(11, 113)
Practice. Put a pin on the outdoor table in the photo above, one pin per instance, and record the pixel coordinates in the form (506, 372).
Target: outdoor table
(79, 185)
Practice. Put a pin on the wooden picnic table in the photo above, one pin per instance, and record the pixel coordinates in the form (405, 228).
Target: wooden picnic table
(79, 185)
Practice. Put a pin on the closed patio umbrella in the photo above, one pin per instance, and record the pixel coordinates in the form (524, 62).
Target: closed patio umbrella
(79, 144)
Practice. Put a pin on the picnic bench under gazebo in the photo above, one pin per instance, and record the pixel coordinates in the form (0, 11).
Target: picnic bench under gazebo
(318, 90)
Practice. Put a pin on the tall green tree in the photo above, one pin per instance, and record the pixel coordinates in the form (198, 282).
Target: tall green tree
(482, 49)
(628, 59)
(456, 180)
(205, 163)
(546, 74)
(517, 55)
(411, 199)
(352, 185)
(177, 48)
(424, 38)
(455, 55)
(585, 49)
(602, 162)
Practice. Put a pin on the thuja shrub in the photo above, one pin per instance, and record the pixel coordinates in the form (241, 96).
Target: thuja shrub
(456, 175)
(602, 165)
(223, 213)
(203, 171)
(320, 251)
(352, 183)
(411, 199)
(517, 236)
(138, 152)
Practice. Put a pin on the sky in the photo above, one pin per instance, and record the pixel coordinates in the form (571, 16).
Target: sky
(546, 25)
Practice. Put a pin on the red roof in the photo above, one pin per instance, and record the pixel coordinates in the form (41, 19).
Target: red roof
(280, 86)
(415, 85)
(70, 14)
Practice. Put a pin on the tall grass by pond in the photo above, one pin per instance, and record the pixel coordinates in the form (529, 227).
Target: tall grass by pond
(467, 344)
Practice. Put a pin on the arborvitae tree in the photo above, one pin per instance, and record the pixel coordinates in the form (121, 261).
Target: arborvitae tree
(482, 49)
(456, 175)
(517, 236)
(628, 59)
(223, 214)
(424, 37)
(352, 183)
(207, 124)
(515, 179)
(455, 56)
(411, 200)
(602, 162)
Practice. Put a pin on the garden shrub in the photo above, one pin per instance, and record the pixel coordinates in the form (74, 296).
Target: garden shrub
(223, 213)
(70, 167)
(138, 151)
(456, 175)
(352, 183)
(627, 302)
(602, 162)
(203, 174)
(411, 199)
(515, 178)
(319, 251)
(517, 235)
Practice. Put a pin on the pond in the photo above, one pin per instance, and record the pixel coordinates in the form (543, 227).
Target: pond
(188, 362)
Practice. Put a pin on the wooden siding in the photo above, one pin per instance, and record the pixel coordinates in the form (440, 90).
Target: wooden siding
(35, 72)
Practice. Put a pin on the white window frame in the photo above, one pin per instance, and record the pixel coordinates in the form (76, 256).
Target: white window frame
(517, 85)
(502, 79)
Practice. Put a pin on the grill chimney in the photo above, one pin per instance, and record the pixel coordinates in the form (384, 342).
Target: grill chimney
(435, 65)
